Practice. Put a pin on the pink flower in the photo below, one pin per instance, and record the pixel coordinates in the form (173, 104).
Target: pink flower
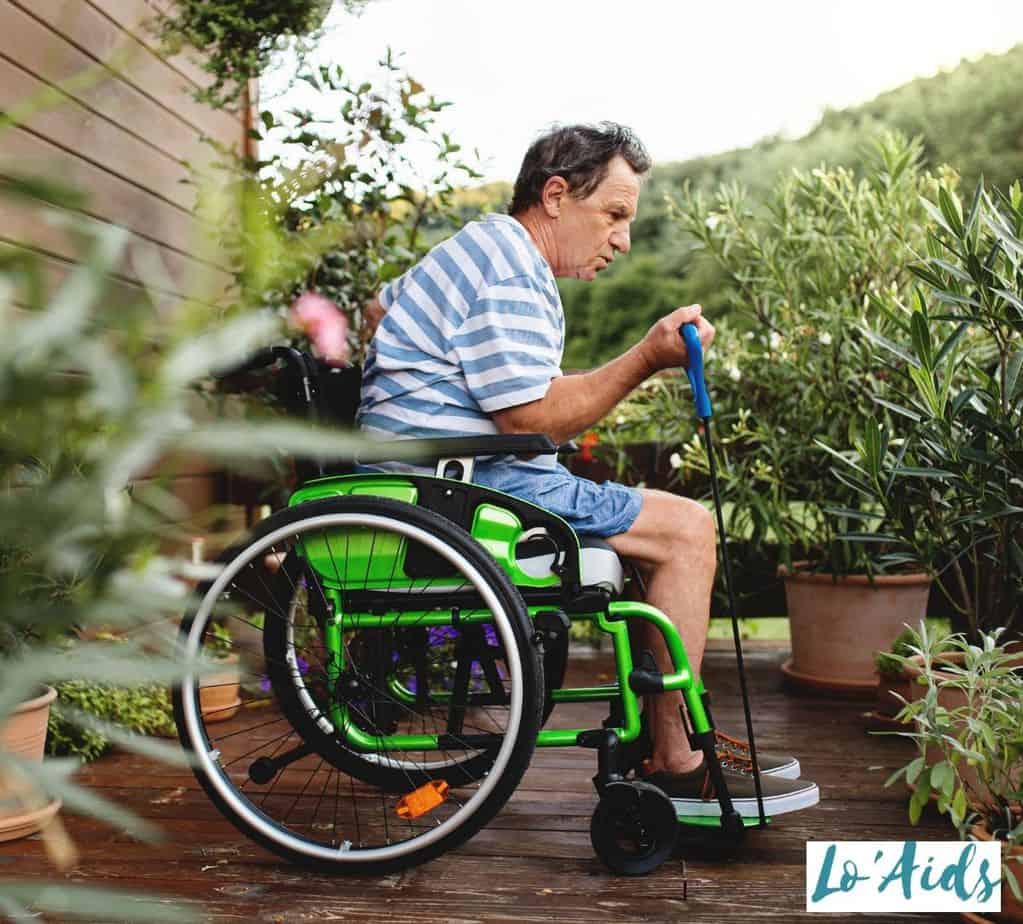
(325, 325)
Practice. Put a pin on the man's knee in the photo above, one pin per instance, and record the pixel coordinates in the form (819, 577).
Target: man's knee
(696, 531)
(688, 532)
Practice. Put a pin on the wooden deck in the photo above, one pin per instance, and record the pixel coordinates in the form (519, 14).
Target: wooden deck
(534, 862)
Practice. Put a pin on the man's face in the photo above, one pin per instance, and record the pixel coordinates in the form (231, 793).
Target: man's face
(590, 232)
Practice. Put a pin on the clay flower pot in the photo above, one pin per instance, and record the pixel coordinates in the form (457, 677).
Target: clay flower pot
(219, 693)
(24, 735)
(1012, 908)
(838, 626)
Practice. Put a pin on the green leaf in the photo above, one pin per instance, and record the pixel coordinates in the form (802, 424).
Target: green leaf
(921, 796)
(840, 457)
(938, 216)
(943, 777)
(911, 471)
(1013, 383)
(852, 514)
(971, 220)
(875, 337)
(951, 342)
(959, 805)
(952, 209)
(923, 378)
(895, 777)
(1012, 299)
(914, 769)
(61, 901)
(899, 409)
(921, 334)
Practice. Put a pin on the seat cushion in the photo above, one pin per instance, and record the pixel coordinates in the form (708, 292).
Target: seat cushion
(600, 565)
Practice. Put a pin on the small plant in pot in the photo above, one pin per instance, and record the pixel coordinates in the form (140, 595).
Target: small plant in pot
(970, 745)
(893, 686)
(801, 274)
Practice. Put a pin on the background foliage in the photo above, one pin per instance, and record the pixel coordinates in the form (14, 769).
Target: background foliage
(969, 117)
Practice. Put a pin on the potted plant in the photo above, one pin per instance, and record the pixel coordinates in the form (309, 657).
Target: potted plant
(970, 756)
(219, 692)
(802, 276)
(946, 475)
(894, 684)
(23, 734)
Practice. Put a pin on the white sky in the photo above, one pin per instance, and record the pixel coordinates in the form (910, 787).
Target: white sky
(690, 78)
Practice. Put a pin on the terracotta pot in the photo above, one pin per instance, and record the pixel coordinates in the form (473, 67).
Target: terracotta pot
(219, 696)
(838, 626)
(888, 685)
(24, 735)
(1012, 908)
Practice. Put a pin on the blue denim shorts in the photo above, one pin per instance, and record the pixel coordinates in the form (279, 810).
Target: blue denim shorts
(591, 509)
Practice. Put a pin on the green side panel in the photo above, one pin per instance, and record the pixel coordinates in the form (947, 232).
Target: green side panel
(498, 531)
(356, 556)
(391, 486)
(370, 556)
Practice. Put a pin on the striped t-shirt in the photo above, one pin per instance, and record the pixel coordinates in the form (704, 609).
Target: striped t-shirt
(475, 327)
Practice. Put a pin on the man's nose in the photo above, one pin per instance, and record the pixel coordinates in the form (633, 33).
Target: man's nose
(621, 241)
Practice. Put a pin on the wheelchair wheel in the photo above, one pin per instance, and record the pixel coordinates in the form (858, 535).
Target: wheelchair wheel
(390, 687)
(634, 828)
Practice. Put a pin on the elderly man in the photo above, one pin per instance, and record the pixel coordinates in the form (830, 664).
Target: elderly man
(471, 342)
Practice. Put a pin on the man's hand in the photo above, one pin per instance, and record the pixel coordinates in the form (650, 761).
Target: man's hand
(663, 346)
(576, 402)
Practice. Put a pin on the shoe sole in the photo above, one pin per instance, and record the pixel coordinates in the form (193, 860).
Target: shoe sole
(789, 771)
(747, 807)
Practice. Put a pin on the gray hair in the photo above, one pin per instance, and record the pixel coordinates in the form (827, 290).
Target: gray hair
(580, 154)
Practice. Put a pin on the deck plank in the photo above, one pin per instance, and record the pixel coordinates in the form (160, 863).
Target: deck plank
(534, 862)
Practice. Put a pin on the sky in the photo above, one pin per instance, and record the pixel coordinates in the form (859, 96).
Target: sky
(690, 79)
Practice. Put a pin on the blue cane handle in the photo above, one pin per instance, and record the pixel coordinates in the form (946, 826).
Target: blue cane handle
(694, 370)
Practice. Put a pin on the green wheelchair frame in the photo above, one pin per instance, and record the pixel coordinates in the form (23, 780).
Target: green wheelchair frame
(384, 593)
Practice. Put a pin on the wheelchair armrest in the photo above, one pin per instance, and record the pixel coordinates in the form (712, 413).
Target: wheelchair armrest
(462, 447)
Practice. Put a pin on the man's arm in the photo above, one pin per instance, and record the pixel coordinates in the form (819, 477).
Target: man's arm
(372, 314)
(575, 402)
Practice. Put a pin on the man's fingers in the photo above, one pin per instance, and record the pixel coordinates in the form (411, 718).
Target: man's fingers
(687, 313)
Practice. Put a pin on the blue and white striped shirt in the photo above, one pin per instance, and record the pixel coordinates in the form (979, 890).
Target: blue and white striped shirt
(475, 327)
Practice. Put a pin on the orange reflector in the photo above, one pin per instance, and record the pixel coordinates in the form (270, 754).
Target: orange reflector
(422, 800)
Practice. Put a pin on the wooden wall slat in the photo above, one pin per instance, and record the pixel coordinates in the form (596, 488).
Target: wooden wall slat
(133, 17)
(97, 35)
(110, 197)
(125, 140)
(56, 270)
(91, 136)
(46, 55)
(24, 225)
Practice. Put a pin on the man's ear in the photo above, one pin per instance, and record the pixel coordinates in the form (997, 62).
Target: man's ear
(554, 192)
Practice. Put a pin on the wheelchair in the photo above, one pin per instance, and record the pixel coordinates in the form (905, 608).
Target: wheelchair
(401, 641)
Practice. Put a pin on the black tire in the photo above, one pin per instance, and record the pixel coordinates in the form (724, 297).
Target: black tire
(280, 768)
(634, 828)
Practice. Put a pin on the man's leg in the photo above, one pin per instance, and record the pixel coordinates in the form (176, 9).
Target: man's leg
(674, 540)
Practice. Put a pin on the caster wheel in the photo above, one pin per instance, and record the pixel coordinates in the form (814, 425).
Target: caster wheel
(633, 829)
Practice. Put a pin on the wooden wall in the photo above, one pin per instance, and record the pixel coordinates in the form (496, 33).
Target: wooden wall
(123, 127)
